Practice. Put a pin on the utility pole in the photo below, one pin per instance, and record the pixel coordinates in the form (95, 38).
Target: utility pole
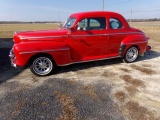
(103, 6)
(131, 16)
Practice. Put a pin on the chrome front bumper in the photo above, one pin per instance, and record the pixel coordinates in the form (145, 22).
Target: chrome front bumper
(12, 58)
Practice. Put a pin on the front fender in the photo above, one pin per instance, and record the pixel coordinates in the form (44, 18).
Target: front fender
(58, 50)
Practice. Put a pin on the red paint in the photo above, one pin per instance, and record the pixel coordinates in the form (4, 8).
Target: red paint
(71, 46)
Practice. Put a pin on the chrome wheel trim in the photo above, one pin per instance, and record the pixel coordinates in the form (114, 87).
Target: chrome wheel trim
(131, 54)
(42, 66)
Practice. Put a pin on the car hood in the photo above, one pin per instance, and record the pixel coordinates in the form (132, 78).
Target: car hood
(59, 34)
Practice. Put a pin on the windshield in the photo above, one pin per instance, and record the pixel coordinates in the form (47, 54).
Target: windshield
(69, 22)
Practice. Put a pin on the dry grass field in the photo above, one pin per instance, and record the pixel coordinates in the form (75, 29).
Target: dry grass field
(7, 30)
(152, 30)
(99, 90)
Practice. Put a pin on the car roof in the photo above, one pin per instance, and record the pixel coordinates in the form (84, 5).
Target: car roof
(81, 15)
(93, 13)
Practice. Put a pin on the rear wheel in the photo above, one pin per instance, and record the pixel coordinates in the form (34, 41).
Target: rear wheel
(131, 55)
(42, 66)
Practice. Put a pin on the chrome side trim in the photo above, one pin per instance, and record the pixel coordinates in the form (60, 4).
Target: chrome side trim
(127, 33)
(63, 49)
(122, 33)
(43, 37)
(89, 61)
(89, 35)
(31, 38)
(135, 43)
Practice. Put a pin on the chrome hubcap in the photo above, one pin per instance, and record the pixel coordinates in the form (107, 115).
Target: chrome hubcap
(42, 65)
(132, 54)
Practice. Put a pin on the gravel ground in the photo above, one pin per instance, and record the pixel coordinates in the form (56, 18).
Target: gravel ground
(108, 89)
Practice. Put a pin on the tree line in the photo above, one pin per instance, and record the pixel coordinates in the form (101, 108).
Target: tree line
(144, 20)
(21, 22)
(39, 22)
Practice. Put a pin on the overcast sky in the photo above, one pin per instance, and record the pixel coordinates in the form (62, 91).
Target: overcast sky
(52, 10)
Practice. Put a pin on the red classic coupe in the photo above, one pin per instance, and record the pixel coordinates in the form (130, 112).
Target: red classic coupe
(86, 36)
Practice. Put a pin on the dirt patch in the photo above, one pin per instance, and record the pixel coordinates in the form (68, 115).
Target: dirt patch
(34, 79)
(125, 70)
(120, 96)
(137, 112)
(18, 108)
(68, 108)
(132, 81)
(71, 82)
(146, 65)
(108, 74)
(89, 91)
(132, 90)
(143, 70)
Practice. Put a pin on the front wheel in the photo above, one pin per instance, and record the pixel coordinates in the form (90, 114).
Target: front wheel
(42, 66)
(131, 55)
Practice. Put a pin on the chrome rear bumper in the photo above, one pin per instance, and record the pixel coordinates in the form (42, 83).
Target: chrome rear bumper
(148, 48)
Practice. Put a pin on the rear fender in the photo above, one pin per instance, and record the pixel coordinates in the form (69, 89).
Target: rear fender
(140, 41)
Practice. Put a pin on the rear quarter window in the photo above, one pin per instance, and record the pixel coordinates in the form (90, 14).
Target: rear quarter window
(115, 23)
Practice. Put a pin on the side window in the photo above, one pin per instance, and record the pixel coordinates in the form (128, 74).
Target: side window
(83, 24)
(115, 23)
(92, 24)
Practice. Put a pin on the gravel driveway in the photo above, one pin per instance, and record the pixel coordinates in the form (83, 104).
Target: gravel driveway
(101, 90)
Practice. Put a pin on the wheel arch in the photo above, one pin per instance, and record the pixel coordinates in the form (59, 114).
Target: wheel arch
(123, 49)
(137, 46)
(40, 54)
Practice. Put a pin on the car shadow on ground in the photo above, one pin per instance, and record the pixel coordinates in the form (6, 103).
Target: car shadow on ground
(6, 71)
(86, 65)
(80, 66)
(150, 54)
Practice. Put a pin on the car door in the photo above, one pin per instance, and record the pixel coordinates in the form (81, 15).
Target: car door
(89, 41)
(117, 34)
